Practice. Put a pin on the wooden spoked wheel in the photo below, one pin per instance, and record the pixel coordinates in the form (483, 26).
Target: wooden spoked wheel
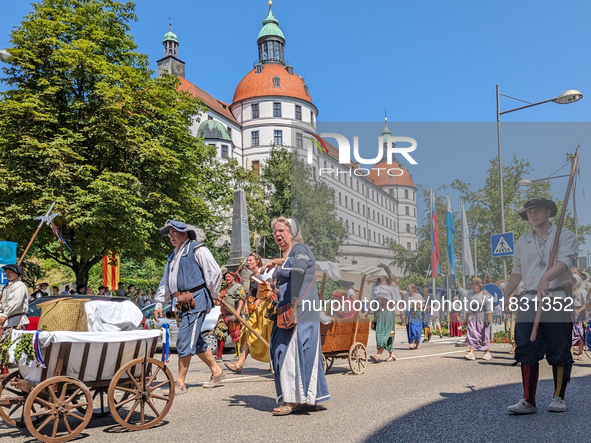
(324, 364)
(329, 363)
(358, 358)
(11, 401)
(141, 394)
(53, 410)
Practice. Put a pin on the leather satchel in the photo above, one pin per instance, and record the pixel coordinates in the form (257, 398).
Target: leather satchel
(287, 315)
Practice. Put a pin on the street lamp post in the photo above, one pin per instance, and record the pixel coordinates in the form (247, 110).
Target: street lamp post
(477, 198)
(565, 98)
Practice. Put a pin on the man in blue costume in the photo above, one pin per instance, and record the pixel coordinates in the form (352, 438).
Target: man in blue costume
(191, 271)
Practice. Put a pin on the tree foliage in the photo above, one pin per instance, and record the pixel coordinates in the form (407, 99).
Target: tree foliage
(84, 124)
(293, 191)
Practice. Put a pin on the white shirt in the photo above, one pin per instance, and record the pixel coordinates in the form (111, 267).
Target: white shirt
(15, 300)
(212, 274)
(528, 255)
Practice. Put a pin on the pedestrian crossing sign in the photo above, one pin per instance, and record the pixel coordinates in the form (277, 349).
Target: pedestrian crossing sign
(502, 244)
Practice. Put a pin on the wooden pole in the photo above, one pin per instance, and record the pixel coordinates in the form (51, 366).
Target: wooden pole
(245, 323)
(554, 252)
(322, 286)
(30, 243)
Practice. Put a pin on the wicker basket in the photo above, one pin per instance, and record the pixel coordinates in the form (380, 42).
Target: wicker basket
(64, 314)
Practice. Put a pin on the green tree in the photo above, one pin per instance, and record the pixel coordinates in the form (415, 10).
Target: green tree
(293, 191)
(84, 124)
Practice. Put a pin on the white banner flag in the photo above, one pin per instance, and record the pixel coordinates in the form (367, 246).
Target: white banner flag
(467, 263)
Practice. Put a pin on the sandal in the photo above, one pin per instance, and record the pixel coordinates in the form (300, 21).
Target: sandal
(286, 409)
(232, 367)
(391, 358)
(375, 358)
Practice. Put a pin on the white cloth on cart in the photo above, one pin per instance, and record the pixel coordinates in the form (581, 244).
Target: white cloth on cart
(105, 316)
(33, 373)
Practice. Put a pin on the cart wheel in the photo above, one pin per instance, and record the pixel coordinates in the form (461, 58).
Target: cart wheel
(58, 401)
(11, 401)
(137, 402)
(324, 364)
(358, 358)
(329, 363)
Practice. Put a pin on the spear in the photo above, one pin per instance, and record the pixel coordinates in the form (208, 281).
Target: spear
(47, 218)
(554, 251)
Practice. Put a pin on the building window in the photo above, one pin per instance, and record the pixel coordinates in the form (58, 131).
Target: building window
(346, 202)
(407, 210)
(374, 236)
(408, 227)
(340, 202)
(353, 228)
(413, 195)
(406, 193)
(359, 230)
(374, 215)
(369, 234)
(364, 210)
(255, 138)
(357, 186)
(414, 210)
(276, 109)
(276, 82)
(379, 238)
(311, 116)
(224, 151)
(299, 140)
(298, 110)
(394, 227)
(278, 138)
(255, 166)
(229, 131)
(408, 246)
(314, 172)
(364, 232)
(358, 208)
(255, 111)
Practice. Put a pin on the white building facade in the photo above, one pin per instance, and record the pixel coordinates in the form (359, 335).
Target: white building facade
(272, 106)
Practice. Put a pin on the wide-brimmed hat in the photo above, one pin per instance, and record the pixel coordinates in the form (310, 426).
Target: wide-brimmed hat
(180, 227)
(538, 202)
(14, 268)
(477, 280)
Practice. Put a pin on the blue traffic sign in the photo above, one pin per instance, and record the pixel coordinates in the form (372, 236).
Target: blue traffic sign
(3, 279)
(502, 245)
(495, 291)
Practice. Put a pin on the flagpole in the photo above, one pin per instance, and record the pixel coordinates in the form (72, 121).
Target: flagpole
(433, 267)
(463, 247)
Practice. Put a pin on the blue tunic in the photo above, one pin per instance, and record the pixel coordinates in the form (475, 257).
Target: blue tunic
(296, 353)
(414, 326)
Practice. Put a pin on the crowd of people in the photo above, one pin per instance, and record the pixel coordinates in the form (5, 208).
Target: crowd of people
(265, 317)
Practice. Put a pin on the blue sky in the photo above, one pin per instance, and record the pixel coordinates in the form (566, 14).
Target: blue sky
(426, 61)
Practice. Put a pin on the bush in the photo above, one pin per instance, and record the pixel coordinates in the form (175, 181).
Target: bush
(500, 337)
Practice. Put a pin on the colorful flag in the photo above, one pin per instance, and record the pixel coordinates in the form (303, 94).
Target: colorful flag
(111, 272)
(57, 232)
(451, 231)
(467, 264)
(434, 237)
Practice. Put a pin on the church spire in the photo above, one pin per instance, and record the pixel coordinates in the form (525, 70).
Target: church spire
(171, 63)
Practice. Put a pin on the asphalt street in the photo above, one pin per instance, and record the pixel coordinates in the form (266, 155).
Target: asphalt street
(427, 395)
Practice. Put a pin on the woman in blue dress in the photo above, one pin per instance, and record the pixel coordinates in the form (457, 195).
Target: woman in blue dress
(296, 353)
(414, 317)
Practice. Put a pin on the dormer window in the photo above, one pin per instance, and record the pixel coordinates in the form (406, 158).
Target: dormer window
(209, 117)
(276, 82)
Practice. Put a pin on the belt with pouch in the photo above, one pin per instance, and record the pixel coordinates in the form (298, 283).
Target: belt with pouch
(184, 299)
(566, 289)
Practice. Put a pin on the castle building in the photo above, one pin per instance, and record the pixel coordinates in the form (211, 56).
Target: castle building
(272, 106)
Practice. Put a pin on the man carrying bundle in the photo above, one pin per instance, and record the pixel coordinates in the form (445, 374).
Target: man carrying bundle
(549, 286)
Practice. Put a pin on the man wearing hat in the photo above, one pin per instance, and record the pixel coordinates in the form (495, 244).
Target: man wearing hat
(14, 300)
(530, 267)
(193, 276)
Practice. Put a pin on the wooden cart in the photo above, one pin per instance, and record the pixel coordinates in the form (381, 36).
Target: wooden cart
(86, 378)
(346, 338)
